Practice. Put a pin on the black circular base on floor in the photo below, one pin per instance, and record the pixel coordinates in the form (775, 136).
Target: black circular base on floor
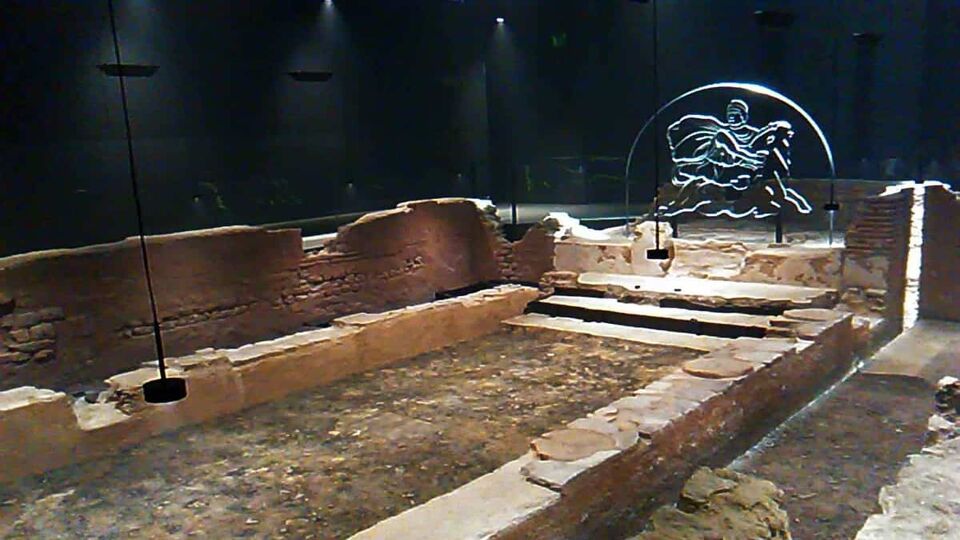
(165, 390)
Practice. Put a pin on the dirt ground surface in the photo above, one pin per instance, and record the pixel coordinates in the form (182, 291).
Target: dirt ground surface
(331, 462)
(833, 458)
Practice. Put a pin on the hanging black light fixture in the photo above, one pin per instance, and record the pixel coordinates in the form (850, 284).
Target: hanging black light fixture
(165, 389)
(831, 207)
(657, 253)
(128, 70)
(771, 18)
(310, 76)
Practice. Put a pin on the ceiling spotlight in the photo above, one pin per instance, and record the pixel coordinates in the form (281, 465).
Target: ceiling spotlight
(770, 18)
(500, 20)
(867, 38)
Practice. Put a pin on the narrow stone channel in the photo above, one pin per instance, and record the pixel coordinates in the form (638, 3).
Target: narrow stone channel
(832, 459)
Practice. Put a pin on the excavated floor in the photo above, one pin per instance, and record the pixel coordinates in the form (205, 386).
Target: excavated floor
(832, 459)
(334, 461)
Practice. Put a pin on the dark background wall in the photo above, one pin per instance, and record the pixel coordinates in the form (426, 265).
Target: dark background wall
(428, 98)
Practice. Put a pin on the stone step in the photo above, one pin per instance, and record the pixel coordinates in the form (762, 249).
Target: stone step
(628, 333)
(610, 310)
(709, 294)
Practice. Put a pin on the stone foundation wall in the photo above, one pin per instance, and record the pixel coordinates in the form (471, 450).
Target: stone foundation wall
(940, 276)
(587, 480)
(41, 429)
(213, 287)
(76, 316)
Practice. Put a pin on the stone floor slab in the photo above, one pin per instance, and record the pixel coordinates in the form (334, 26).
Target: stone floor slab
(712, 291)
(628, 333)
(612, 305)
(930, 350)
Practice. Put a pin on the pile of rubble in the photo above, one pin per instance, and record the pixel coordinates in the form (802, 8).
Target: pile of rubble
(720, 503)
(945, 425)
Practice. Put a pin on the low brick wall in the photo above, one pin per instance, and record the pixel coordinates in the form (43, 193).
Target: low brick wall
(76, 316)
(643, 443)
(43, 429)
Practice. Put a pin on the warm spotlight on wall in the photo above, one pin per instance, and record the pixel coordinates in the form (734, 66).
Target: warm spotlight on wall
(501, 20)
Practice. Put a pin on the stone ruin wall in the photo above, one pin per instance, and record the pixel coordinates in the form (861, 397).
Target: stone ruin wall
(940, 278)
(875, 256)
(79, 315)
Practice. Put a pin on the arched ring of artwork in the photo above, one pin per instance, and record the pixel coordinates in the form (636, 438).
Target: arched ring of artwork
(713, 157)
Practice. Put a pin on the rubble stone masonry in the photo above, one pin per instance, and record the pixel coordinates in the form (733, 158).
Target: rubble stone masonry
(78, 315)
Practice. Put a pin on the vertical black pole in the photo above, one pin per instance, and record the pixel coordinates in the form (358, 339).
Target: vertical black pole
(831, 207)
(657, 253)
(779, 232)
(656, 129)
(514, 188)
(158, 341)
(675, 226)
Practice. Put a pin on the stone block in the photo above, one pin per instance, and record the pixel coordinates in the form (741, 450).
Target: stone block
(34, 346)
(555, 474)
(27, 319)
(38, 430)
(44, 355)
(719, 367)
(13, 357)
(614, 255)
(571, 444)
(42, 331)
(50, 314)
(687, 387)
(713, 259)
(811, 267)
(812, 314)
